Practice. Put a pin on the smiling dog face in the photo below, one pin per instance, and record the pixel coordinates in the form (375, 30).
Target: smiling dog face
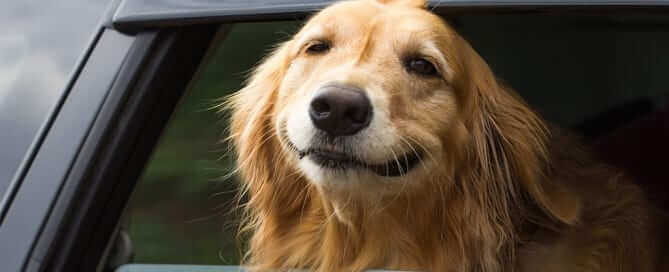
(378, 98)
(367, 101)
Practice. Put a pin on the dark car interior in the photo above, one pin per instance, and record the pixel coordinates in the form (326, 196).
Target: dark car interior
(603, 76)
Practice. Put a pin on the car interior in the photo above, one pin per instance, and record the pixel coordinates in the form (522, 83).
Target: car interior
(600, 73)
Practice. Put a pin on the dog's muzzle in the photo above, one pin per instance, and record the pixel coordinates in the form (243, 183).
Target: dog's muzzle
(340, 114)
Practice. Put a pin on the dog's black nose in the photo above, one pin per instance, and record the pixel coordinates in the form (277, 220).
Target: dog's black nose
(340, 110)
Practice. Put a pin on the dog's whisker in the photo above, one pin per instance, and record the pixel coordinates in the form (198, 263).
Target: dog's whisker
(413, 149)
(396, 160)
(396, 194)
(421, 146)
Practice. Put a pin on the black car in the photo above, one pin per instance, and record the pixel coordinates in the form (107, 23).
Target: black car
(89, 88)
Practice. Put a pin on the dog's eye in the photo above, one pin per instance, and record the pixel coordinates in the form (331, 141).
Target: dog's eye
(318, 48)
(421, 66)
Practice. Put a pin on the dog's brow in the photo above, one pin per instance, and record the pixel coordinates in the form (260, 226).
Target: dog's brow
(431, 49)
(311, 33)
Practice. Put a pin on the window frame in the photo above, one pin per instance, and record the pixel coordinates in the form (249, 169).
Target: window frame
(135, 15)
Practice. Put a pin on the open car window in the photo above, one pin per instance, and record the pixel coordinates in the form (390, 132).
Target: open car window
(597, 74)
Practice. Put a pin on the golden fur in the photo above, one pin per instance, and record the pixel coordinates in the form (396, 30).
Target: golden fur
(497, 190)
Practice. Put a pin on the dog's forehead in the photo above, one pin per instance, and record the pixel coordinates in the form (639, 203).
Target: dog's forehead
(351, 17)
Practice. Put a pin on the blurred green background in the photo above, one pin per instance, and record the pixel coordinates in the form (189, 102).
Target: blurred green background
(182, 211)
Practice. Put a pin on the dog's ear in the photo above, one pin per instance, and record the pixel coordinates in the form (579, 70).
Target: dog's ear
(251, 106)
(509, 141)
(270, 189)
(411, 3)
(254, 137)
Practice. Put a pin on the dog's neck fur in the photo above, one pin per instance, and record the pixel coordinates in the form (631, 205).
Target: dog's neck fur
(413, 232)
(472, 225)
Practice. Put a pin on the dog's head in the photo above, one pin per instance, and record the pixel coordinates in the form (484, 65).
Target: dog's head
(378, 98)
(367, 96)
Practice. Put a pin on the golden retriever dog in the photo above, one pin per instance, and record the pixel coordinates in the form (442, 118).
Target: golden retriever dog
(377, 138)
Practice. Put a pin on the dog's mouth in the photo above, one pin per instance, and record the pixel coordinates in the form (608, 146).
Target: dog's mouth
(335, 160)
(342, 161)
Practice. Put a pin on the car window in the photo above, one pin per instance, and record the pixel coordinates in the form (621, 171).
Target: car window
(577, 71)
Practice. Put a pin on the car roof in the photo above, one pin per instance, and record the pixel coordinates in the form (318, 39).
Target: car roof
(150, 13)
